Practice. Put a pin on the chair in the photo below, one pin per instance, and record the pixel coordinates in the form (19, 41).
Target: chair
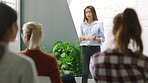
(44, 79)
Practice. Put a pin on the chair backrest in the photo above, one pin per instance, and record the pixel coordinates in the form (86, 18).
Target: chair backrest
(44, 79)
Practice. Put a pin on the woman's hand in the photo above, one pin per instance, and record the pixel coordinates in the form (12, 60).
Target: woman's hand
(90, 38)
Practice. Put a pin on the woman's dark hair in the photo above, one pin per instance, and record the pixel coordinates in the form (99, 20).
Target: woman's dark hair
(131, 31)
(7, 17)
(93, 13)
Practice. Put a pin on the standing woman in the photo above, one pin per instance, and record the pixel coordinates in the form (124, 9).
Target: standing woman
(13, 68)
(91, 37)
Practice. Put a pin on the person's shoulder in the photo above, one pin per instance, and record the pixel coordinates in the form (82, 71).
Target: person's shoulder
(18, 60)
(22, 52)
(98, 54)
(84, 23)
(18, 65)
(52, 57)
(107, 53)
(49, 56)
(99, 21)
(23, 59)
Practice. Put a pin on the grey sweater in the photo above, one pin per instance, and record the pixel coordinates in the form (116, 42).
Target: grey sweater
(17, 69)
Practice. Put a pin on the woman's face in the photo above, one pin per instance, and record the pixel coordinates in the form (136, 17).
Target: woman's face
(88, 14)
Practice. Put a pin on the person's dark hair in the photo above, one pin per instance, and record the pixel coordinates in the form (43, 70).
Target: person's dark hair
(117, 23)
(93, 13)
(131, 30)
(7, 17)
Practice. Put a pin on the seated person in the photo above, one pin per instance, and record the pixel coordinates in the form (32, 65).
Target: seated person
(46, 64)
(14, 68)
(122, 64)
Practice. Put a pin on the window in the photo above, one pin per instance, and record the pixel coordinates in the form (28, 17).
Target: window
(11, 3)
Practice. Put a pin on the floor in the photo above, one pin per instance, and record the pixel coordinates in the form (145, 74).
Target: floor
(78, 80)
(45, 79)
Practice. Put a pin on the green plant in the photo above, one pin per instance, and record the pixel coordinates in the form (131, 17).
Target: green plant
(69, 57)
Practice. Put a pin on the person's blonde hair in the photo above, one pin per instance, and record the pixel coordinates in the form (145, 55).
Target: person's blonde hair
(34, 32)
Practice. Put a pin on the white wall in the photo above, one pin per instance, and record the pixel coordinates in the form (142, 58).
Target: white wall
(106, 10)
